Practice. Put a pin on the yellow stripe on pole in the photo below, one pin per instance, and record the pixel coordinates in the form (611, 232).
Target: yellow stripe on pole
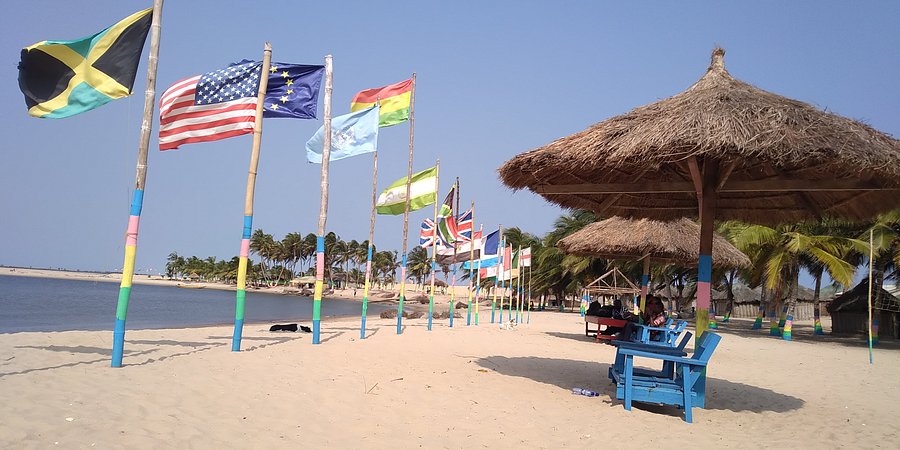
(242, 273)
(128, 269)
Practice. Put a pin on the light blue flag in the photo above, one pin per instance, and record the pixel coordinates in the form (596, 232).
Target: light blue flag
(351, 134)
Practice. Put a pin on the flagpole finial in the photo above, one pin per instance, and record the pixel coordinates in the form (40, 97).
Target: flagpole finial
(268, 47)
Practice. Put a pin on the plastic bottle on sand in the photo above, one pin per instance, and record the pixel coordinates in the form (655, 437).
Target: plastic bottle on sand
(585, 392)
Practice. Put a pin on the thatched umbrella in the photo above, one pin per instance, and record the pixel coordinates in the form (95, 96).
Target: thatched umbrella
(675, 241)
(734, 150)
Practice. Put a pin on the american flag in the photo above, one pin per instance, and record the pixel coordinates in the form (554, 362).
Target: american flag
(209, 107)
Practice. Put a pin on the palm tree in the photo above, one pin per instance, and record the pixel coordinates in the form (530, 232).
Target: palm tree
(264, 246)
(418, 263)
(175, 265)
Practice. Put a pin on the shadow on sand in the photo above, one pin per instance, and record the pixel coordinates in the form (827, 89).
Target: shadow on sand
(566, 374)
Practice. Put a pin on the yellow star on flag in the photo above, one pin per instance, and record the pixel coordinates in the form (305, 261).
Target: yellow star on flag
(273, 69)
(274, 106)
(284, 99)
(289, 82)
(290, 91)
(284, 74)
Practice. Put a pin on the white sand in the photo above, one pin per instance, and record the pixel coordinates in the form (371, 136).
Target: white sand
(466, 387)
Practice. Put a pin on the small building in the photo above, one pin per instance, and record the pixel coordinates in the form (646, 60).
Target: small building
(850, 312)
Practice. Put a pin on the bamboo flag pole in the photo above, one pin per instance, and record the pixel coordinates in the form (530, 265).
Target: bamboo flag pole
(871, 263)
(478, 281)
(137, 199)
(241, 295)
(434, 239)
(453, 264)
(501, 274)
(412, 121)
(518, 287)
(323, 205)
(365, 302)
(497, 277)
(471, 262)
(530, 263)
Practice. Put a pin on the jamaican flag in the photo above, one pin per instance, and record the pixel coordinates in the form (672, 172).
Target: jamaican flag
(65, 78)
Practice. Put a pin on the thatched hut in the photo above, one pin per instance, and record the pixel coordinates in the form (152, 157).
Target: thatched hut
(722, 149)
(649, 240)
(850, 312)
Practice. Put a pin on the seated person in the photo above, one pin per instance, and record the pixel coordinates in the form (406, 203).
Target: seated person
(615, 312)
(595, 309)
(654, 316)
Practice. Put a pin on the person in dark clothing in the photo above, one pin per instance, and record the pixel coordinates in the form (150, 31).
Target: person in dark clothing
(615, 311)
(654, 316)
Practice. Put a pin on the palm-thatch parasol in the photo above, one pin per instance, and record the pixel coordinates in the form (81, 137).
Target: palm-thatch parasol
(732, 149)
(675, 241)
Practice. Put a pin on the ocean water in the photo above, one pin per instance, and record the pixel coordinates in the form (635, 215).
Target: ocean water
(43, 304)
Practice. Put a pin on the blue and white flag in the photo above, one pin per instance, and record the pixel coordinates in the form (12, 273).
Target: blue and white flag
(351, 134)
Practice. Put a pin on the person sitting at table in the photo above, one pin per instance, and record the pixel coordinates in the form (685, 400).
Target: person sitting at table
(615, 311)
(654, 316)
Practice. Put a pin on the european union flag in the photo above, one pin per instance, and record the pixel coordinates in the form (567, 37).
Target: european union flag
(293, 91)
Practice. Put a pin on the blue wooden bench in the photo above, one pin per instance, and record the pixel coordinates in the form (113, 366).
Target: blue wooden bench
(666, 335)
(668, 367)
(685, 389)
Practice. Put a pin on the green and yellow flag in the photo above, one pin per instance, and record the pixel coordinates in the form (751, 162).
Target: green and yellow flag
(395, 102)
(421, 193)
(64, 78)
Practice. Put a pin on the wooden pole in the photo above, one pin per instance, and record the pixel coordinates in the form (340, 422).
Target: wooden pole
(434, 239)
(471, 264)
(365, 303)
(453, 264)
(645, 283)
(137, 199)
(708, 200)
(496, 278)
(241, 294)
(478, 283)
(871, 264)
(530, 263)
(412, 119)
(323, 204)
(518, 287)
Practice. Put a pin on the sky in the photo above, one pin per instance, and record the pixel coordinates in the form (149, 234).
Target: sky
(494, 79)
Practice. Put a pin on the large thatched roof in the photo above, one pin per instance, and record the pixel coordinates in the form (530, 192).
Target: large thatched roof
(778, 159)
(857, 300)
(675, 241)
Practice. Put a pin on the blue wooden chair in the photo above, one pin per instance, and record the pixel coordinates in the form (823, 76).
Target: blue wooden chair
(668, 367)
(666, 335)
(686, 390)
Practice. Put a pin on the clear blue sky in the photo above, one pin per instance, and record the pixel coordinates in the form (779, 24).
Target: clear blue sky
(494, 79)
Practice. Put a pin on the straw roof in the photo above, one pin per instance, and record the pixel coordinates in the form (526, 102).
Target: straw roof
(778, 159)
(675, 241)
(857, 300)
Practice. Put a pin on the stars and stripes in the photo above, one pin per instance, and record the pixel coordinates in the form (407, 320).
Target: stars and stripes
(209, 107)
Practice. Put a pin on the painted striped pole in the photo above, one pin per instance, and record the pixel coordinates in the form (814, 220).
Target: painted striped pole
(757, 324)
(783, 318)
(871, 263)
(774, 330)
(434, 236)
(137, 198)
(817, 316)
(497, 277)
(708, 198)
(788, 325)
(241, 294)
(365, 305)
(478, 291)
(471, 264)
(529, 291)
(323, 206)
(412, 122)
(712, 316)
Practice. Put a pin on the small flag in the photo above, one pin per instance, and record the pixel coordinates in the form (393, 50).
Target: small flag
(209, 107)
(426, 235)
(351, 134)
(421, 192)
(394, 99)
(526, 257)
(489, 252)
(492, 243)
(63, 78)
(464, 225)
(445, 253)
(293, 91)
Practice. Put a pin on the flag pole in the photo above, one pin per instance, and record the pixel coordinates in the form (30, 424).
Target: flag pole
(518, 283)
(871, 263)
(137, 199)
(437, 176)
(453, 264)
(323, 205)
(478, 283)
(497, 276)
(412, 121)
(365, 302)
(471, 262)
(530, 263)
(501, 274)
(241, 295)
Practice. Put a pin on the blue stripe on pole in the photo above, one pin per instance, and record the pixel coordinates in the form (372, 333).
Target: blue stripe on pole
(704, 272)
(248, 227)
(403, 260)
(118, 343)
(137, 200)
(369, 255)
(320, 244)
(236, 337)
(316, 328)
(645, 279)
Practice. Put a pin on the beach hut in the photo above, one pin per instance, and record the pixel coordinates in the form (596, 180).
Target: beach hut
(652, 241)
(849, 312)
(722, 149)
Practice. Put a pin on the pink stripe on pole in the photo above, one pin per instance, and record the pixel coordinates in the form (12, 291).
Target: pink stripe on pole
(368, 267)
(403, 273)
(245, 248)
(643, 291)
(320, 265)
(702, 295)
(132, 233)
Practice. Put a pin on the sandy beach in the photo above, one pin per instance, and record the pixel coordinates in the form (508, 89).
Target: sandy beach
(465, 387)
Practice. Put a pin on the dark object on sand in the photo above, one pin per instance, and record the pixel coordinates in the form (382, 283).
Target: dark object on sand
(388, 314)
(292, 327)
(305, 329)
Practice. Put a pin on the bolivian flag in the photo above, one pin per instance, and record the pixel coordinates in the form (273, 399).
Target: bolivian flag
(65, 78)
(394, 102)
